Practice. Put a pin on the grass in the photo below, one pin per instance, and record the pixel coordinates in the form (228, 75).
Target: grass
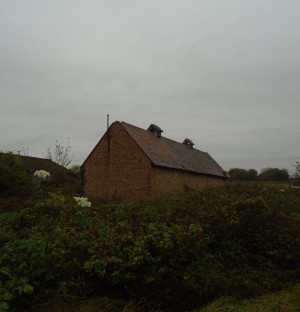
(101, 304)
(285, 301)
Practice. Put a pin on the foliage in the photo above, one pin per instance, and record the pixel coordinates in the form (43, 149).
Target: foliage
(252, 175)
(173, 254)
(66, 182)
(238, 174)
(13, 179)
(75, 168)
(274, 174)
(297, 170)
(61, 154)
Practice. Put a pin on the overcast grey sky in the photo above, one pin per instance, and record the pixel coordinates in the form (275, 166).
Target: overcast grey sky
(225, 74)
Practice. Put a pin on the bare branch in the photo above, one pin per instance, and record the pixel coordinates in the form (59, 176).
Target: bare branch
(61, 154)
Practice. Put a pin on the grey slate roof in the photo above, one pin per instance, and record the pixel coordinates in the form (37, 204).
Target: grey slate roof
(167, 153)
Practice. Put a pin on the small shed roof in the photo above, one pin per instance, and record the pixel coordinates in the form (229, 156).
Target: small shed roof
(167, 153)
(29, 163)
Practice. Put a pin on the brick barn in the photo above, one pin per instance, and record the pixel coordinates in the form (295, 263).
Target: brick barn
(130, 163)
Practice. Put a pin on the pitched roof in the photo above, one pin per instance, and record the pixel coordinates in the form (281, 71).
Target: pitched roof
(165, 152)
(29, 163)
(35, 163)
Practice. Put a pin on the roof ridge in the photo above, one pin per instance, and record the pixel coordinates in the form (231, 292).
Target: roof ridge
(162, 137)
(128, 124)
(3, 153)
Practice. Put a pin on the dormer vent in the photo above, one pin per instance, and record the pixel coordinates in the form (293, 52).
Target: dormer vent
(155, 129)
(189, 143)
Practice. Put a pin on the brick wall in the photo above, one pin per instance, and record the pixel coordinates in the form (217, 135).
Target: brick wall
(117, 168)
(167, 181)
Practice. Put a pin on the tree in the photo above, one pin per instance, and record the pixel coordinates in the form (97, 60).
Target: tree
(238, 174)
(297, 170)
(60, 154)
(252, 175)
(13, 179)
(274, 174)
(75, 168)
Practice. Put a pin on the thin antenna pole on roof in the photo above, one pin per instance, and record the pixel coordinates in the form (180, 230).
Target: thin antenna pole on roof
(107, 120)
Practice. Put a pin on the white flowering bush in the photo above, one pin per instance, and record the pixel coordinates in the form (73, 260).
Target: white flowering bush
(42, 174)
(82, 202)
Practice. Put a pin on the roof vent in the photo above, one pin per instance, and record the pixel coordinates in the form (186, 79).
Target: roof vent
(189, 143)
(155, 129)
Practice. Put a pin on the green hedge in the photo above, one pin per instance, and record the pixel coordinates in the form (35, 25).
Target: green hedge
(176, 254)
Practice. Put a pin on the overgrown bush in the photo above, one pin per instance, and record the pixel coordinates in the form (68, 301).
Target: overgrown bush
(13, 180)
(176, 254)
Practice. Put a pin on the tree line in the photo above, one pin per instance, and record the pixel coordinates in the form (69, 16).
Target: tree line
(267, 174)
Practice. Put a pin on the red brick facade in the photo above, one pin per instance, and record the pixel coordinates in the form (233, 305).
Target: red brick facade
(168, 181)
(118, 169)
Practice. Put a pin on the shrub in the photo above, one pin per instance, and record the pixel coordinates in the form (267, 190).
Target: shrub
(13, 180)
(175, 253)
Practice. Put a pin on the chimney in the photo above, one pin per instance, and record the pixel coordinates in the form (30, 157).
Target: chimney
(189, 143)
(155, 129)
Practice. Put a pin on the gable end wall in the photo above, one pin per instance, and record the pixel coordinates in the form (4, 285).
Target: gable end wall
(117, 169)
